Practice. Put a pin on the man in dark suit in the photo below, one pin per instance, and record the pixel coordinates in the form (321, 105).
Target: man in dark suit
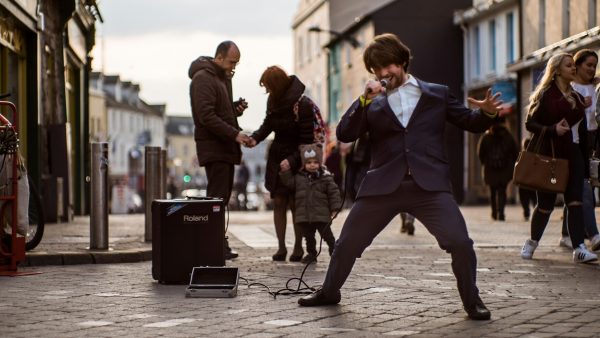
(409, 170)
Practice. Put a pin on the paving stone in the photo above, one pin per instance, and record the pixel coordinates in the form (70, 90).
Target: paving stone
(400, 287)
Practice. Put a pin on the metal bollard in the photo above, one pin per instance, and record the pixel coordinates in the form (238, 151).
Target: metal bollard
(99, 196)
(152, 185)
(163, 173)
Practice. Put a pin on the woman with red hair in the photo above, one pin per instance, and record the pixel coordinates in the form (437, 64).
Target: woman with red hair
(290, 116)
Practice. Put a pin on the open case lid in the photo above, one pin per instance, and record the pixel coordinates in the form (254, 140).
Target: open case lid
(214, 276)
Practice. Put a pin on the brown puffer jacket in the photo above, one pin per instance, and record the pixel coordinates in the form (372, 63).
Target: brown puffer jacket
(215, 119)
(316, 195)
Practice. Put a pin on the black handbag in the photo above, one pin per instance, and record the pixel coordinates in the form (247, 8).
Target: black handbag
(539, 172)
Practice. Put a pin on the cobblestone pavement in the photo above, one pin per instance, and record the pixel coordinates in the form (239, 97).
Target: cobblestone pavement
(402, 286)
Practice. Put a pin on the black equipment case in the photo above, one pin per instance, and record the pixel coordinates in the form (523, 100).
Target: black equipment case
(186, 233)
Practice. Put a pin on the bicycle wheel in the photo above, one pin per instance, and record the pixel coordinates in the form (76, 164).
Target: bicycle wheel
(36, 218)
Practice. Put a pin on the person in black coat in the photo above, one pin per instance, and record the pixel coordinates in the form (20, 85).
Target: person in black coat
(497, 151)
(290, 117)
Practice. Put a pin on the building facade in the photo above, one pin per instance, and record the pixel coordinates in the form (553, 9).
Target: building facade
(353, 24)
(182, 162)
(45, 64)
(132, 124)
(310, 59)
(491, 40)
(549, 27)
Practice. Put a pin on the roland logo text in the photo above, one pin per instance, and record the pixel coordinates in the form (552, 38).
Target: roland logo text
(195, 218)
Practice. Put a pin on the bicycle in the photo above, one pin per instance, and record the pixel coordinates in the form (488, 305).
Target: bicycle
(9, 144)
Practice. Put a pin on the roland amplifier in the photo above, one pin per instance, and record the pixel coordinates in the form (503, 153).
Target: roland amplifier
(186, 233)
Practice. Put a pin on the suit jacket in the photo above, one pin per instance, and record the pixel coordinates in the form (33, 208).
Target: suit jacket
(417, 148)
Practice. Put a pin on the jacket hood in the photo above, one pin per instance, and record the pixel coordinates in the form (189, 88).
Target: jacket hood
(205, 63)
(291, 96)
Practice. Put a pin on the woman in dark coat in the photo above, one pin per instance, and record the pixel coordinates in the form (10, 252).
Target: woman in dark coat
(290, 116)
(497, 152)
(556, 117)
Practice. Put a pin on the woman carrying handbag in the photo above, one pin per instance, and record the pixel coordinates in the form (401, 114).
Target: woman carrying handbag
(556, 114)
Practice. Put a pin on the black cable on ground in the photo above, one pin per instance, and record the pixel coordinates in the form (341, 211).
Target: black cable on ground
(299, 290)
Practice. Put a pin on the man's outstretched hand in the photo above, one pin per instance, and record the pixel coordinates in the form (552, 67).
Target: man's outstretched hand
(490, 104)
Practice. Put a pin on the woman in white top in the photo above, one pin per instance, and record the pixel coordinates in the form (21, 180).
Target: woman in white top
(586, 61)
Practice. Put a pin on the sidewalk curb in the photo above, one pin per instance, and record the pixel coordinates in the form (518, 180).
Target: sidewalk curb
(87, 257)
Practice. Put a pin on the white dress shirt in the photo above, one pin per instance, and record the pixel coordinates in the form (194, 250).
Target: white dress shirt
(403, 99)
(590, 112)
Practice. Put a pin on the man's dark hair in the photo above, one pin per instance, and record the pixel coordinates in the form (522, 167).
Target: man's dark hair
(386, 49)
(224, 47)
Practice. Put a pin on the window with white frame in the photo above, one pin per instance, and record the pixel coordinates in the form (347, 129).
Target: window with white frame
(300, 46)
(566, 18)
(492, 44)
(542, 24)
(510, 37)
(592, 4)
(348, 55)
(476, 51)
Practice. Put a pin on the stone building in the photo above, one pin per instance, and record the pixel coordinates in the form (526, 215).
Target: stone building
(45, 64)
(549, 27)
(491, 41)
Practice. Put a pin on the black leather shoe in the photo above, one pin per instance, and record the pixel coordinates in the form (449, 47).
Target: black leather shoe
(280, 255)
(318, 298)
(478, 311)
(296, 256)
(231, 255)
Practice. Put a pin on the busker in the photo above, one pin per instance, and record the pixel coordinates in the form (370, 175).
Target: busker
(409, 170)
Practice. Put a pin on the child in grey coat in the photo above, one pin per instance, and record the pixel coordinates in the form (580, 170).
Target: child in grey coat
(317, 198)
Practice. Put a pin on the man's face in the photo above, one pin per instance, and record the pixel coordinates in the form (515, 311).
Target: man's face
(395, 74)
(229, 61)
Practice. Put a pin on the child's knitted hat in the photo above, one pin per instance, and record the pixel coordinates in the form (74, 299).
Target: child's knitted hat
(311, 151)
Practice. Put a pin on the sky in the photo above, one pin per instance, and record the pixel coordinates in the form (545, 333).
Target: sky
(153, 42)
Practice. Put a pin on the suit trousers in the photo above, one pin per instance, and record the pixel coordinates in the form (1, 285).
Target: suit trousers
(439, 213)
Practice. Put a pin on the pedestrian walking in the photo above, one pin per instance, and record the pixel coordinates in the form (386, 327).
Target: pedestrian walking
(409, 169)
(556, 117)
(408, 223)
(357, 165)
(497, 151)
(242, 177)
(316, 197)
(334, 162)
(290, 116)
(217, 133)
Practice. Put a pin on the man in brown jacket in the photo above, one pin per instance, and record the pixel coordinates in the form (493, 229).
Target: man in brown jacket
(217, 133)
